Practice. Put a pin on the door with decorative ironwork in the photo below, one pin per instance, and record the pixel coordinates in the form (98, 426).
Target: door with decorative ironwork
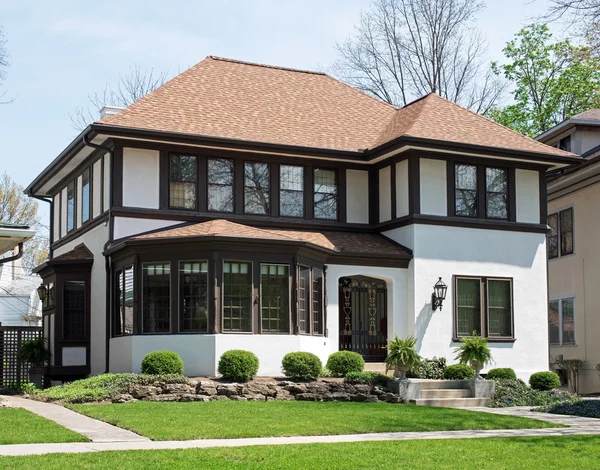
(363, 317)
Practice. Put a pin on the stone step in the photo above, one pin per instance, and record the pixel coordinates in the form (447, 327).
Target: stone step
(446, 393)
(441, 384)
(377, 367)
(451, 402)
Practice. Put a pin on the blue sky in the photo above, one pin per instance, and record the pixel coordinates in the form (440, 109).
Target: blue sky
(62, 50)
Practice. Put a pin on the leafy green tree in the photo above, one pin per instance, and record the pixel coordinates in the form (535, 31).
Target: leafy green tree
(552, 81)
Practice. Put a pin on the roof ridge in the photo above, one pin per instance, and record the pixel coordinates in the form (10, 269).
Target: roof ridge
(363, 92)
(256, 64)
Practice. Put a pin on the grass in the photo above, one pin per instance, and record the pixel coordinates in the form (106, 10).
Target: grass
(19, 426)
(563, 452)
(227, 419)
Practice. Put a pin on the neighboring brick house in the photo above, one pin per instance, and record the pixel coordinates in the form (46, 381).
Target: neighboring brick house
(275, 210)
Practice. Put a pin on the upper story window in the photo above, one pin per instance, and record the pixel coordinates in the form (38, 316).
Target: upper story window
(483, 306)
(183, 182)
(291, 191)
(220, 185)
(256, 188)
(326, 194)
(560, 238)
(469, 182)
(85, 196)
(561, 321)
(565, 143)
(70, 206)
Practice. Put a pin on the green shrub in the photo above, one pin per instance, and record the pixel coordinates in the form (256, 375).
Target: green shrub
(301, 365)
(238, 365)
(325, 372)
(501, 373)
(370, 378)
(101, 387)
(544, 380)
(510, 392)
(162, 362)
(474, 351)
(459, 372)
(343, 362)
(429, 369)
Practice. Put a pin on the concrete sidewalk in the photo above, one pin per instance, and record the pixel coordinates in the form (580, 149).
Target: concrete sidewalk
(578, 426)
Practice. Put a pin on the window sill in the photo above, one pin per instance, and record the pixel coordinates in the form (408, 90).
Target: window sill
(570, 345)
(490, 340)
(562, 257)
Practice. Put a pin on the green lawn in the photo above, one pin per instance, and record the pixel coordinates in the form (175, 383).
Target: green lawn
(227, 419)
(19, 426)
(572, 452)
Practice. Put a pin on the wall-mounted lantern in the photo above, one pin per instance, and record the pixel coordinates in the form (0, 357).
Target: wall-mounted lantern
(42, 291)
(439, 294)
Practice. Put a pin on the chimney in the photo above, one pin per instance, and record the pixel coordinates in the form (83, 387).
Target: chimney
(109, 111)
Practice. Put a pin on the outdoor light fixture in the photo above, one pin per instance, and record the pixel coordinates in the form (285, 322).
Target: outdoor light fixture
(42, 291)
(439, 294)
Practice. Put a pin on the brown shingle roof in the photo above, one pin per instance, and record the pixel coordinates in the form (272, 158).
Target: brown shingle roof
(340, 242)
(231, 99)
(434, 117)
(79, 253)
(589, 115)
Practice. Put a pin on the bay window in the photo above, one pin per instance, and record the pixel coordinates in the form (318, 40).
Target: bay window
(156, 297)
(237, 296)
(193, 296)
(275, 298)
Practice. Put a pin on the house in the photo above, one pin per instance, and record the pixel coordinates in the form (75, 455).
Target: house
(19, 303)
(573, 254)
(245, 206)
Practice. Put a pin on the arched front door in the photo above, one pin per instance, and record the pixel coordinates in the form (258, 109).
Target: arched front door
(363, 317)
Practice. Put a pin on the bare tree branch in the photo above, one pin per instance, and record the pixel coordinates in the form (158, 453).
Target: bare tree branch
(4, 64)
(403, 49)
(130, 88)
(582, 17)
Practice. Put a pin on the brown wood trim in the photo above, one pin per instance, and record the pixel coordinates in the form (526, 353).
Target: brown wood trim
(238, 186)
(414, 185)
(512, 195)
(342, 196)
(163, 180)
(373, 196)
(451, 188)
(543, 198)
(274, 177)
(117, 174)
(72, 235)
(309, 194)
(394, 201)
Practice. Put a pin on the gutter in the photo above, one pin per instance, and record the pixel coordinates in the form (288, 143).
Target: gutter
(19, 255)
(50, 235)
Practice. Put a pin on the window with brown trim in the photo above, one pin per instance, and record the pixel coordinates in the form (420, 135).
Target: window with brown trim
(156, 298)
(74, 310)
(183, 182)
(193, 296)
(275, 298)
(483, 306)
(85, 196)
(481, 192)
(220, 185)
(496, 193)
(124, 295)
(291, 191)
(318, 312)
(256, 188)
(466, 190)
(237, 296)
(560, 237)
(326, 194)
(561, 321)
(70, 206)
(304, 307)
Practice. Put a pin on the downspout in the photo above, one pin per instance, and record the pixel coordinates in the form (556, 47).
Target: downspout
(19, 255)
(107, 265)
(50, 234)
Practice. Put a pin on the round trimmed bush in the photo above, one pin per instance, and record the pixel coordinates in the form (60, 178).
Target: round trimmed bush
(501, 373)
(544, 380)
(343, 362)
(301, 365)
(162, 362)
(238, 365)
(459, 372)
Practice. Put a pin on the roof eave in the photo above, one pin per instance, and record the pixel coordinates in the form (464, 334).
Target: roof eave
(563, 126)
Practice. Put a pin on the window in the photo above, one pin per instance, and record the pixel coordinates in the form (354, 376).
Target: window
(124, 294)
(565, 143)
(561, 321)
(70, 206)
(483, 306)
(237, 296)
(49, 300)
(120, 308)
(193, 296)
(317, 301)
(156, 297)
(304, 299)
(291, 191)
(275, 298)
(183, 182)
(256, 188)
(496, 193)
(325, 189)
(466, 190)
(220, 185)
(560, 238)
(85, 196)
(74, 310)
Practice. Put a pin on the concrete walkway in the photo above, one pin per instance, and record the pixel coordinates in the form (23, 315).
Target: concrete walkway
(93, 429)
(578, 426)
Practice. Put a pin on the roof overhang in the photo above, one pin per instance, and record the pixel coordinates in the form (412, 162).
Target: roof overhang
(11, 237)
(565, 126)
(574, 179)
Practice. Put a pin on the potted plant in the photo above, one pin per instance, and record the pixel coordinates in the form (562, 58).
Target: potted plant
(35, 353)
(475, 352)
(402, 355)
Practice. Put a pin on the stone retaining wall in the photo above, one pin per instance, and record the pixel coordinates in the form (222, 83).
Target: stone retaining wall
(207, 390)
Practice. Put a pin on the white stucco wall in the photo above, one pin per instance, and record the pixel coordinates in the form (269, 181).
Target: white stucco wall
(141, 178)
(56, 217)
(95, 240)
(521, 256)
(528, 196)
(433, 187)
(107, 172)
(402, 188)
(357, 196)
(96, 189)
(385, 194)
(127, 226)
